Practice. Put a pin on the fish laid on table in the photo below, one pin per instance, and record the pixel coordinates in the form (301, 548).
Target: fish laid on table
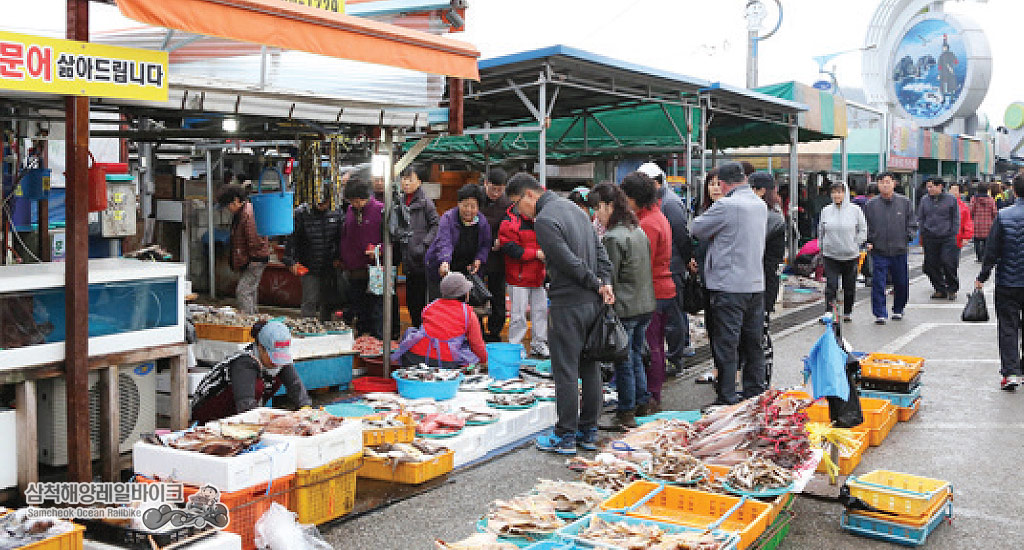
(621, 534)
(570, 497)
(512, 399)
(208, 440)
(476, 541)
(383, 421)
(476, 382)
(512, 384)
(423, 373)
(417, 451)
(475, 415)
(302, 422)
(605, 471)
(676, 466)
(523, 516)
(758, 474)
(440, 424)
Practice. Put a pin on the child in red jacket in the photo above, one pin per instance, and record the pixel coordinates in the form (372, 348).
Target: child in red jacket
(524, 274)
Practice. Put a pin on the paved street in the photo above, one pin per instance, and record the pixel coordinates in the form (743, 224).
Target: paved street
(968, 432)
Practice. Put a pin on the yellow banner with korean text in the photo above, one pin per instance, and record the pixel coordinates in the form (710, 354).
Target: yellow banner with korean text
(67, 67)
(336, 6)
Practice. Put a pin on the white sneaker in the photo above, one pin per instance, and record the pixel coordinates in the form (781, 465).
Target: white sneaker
(897, 316)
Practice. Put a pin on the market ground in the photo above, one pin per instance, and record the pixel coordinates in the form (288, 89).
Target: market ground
(967, 432)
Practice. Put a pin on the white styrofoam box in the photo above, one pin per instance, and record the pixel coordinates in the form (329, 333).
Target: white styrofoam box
(223, 540)
(226, 473)
(215, 351)
(470, 445)
(9, 452)
(163, 381)
(327, 345)
(315, 450)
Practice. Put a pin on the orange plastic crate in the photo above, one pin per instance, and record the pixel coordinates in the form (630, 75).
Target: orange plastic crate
(380, 436)
(877, 435)
(874, 366)
(245, 507)
(72, 540)
(911, 521)
(847, 462)
(223, 333)
(408, 473)
(692, 508)
(906, 413)
(778, 505)
(327, 492)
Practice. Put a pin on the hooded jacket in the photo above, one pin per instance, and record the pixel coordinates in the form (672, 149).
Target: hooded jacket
(519, 246)
(842, 229)
(424, 221)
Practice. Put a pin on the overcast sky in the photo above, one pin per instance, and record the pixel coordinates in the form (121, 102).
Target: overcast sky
(701, 38)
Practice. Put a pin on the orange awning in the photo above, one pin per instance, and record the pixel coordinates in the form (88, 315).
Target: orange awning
(298, 27)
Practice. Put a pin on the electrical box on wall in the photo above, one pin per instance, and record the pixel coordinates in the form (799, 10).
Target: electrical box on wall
(118, 220)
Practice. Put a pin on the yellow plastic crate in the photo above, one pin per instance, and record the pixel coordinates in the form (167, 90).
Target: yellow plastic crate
(408, 473)
(915, 522)
(223, 333)
(380, 436)
(72, 540)
(904, 494)
(877, 435)
(880, 366)
(849, 461)
(327, 492)
(693, 508)
(906, 413)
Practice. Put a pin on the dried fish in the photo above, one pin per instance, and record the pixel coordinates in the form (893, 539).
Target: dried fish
(305, 422)
(417, 451)
(423, 373)
(523, 516)
(570, 497)
(676, 466)
(477, 416)
(476, 382)
(512, 399)
(605, 471)
(208, 440)
(20, 528)
(476, 541)
(758, 474)
(646, 536)
(511, 385)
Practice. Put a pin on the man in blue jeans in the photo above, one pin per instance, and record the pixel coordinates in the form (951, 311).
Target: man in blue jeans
(891, 227)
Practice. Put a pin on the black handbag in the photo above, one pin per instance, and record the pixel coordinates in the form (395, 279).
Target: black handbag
(607, 340)
(693, 295)
(976, 311)
(478, 295)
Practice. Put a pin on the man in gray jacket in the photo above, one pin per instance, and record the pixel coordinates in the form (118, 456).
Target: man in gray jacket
(677, 327)
(734, 228)
(581, 277)
(891, 226)
(939, 215)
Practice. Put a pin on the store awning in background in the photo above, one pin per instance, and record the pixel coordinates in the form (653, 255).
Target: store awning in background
(298, 27)
(826, 112)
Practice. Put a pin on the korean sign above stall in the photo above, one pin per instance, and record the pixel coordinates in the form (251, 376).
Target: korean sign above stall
(67, 67)
(336, 6)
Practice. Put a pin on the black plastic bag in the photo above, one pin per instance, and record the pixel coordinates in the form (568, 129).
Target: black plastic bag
(976, 311)
(693, 295)
(479, 296)
(400, 220)
(847, 414)
(607, 340)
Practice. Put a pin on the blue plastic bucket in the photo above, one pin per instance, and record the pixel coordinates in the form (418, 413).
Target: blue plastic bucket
(415, 389)
(503, 360)
(273, 211)
(35, 184)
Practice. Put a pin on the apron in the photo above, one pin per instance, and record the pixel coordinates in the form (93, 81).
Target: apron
(458, 346)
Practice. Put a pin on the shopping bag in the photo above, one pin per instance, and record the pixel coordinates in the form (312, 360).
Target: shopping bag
(607, 340)
(400, 220)
(846, 413)
(375, 285)
(479, 295)
(826, 365)
(693, 294)
(975, 311)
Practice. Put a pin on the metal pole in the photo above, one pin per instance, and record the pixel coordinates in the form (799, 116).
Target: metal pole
(703, 156)
(845, 160)
(542, 143)
(487, 150)
(794, 190)
(689, 157)
(210, 250)
(883, 126)
(751, 59)
(387, 135)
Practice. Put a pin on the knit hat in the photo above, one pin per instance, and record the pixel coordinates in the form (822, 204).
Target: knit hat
(455, 285)
(277, 340)
(762, 180)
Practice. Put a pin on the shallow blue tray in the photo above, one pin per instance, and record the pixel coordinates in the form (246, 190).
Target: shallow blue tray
(689, 416)
(890, 531)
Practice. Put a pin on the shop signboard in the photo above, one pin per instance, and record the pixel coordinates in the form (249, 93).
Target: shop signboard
(335, 6)
(902, 164)
(67, 67)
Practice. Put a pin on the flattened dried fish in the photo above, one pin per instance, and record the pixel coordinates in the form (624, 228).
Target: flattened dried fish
(758, 474)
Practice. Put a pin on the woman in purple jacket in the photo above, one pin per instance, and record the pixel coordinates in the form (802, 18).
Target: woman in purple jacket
(360, 237)
(463, 239)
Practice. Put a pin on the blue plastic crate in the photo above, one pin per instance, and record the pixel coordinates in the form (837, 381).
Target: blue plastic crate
(553, 545)
(904, 400)
(324, 372)
(572, 531)
(890, 531)
(689, 416)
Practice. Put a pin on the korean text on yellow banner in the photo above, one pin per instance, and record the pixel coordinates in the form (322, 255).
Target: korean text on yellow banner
(336, 6)
(67, 67)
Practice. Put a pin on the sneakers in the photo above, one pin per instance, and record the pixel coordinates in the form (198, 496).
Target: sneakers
(879, 320)
(897, 316)
(541, 351)
(587, 439)
(937, 295)
(647, 409)
(1010, 383)
(552, 443)
(706, 378)
(847, 318)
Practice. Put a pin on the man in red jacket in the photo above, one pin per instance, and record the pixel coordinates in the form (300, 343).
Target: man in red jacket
(524, 274)
(966, 232)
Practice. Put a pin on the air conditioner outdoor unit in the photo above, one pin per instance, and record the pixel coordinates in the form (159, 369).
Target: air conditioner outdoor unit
(137, 390)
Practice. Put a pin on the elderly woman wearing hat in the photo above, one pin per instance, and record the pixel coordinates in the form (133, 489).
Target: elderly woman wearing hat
(450, 336)
(249, 378)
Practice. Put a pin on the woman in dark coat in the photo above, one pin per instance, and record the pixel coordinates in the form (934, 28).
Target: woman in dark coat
(463, 240)
(424, 221)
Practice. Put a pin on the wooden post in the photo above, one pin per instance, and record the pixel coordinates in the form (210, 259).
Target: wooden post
(180, 411)
(110, 420)
(76, 267)
(455, 106)
(28, 445)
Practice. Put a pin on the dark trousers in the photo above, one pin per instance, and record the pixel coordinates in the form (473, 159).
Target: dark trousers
(738, 329)
(941, 263)
(630, 376)
(1009, 309)
(571, 371)
(834, 271)
(883, 267)
(319, 294)
(656, 343)
(368, 308)
(677, 325)
(415, 296)
(496, 319)
(979, 248)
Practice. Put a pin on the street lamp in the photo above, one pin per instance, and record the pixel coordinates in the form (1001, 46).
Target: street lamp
(756, 13)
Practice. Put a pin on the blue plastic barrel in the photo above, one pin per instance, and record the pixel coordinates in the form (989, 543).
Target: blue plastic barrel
(35, 184)
(503, 360)
(273, 211)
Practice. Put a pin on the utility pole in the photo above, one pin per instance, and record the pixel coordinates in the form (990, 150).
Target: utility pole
(756, 13)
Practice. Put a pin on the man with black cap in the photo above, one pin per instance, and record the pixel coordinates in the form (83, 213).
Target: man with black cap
(735, 228)
(313, 246)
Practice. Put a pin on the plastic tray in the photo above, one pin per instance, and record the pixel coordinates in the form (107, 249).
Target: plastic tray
(72, 540)
(513, 407)
(223, 333)
(371, 384)
(398, 434)
(891, 531)
(904, 414)
(897, 399)
(877, 435)
(441, 436)
(408, 473)
(523, 541)
(908, 520)
(870, 367)
(689, 416)
(891, 386)
(313, 451)
(572, 531)
(904, 494)
(848, 462)
(679, 505)
(776, 532)
(134, 538)
(247, 506)
(415, 389)
(327, 492)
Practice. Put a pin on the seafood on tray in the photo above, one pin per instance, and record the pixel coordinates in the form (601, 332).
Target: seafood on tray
(570, 497)
(226, 440)
(523, 516)
(545, 390)
(369, 346)
(758, 474)
(305, 422)
(476, 382)
(512, 399)
(423, 373)
(636, 536)
(383, 421)
(385, 401)
(476, 541)
(676, 466)
(417, 451)
(605, 471)
(21, 528)
(511, 385)
(440, 424)
(476, 415)
(659, 435)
